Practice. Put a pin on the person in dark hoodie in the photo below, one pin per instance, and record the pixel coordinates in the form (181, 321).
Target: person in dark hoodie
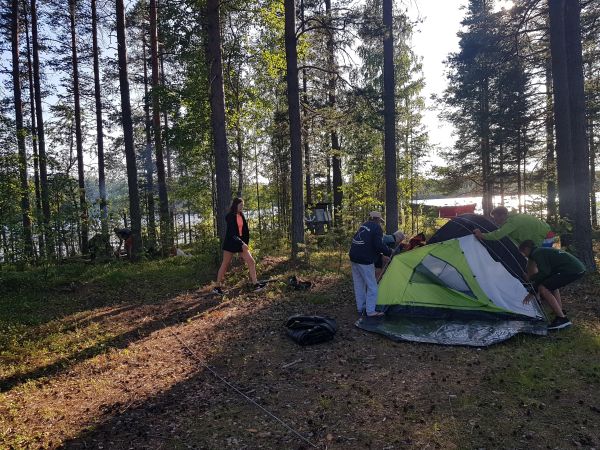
(367, 245)
(236, 240)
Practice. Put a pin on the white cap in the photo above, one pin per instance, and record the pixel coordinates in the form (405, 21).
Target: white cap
(399, 236)
(376, 215)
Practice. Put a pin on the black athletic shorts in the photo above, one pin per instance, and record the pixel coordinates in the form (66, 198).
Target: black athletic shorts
(232, 245)
(558, 280)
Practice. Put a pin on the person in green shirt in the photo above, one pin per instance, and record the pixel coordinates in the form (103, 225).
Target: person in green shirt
(555, 269)
(518, 227)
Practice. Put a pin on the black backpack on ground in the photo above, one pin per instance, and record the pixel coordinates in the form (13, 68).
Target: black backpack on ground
(309, 330)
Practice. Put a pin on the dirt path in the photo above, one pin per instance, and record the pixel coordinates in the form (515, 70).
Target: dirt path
(359, 391)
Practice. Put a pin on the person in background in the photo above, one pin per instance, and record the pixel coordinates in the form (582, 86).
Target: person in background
(550, 270)
(394, 242)
(237, 237)
(176, 251)
(367, 245)
(125, 236)
(417, 240)
(518, 227)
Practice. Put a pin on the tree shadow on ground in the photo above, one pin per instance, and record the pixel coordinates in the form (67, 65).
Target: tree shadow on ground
(253, 346)
(178, 311)
(37, 300)
(102, 315)
(358, 391)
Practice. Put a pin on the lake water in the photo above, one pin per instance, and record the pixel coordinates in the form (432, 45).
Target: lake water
(510, 201)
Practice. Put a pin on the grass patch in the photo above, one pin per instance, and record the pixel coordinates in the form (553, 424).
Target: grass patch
(542, 387)
(48, 315)
(357, 391)
(535, 365)
(42, 294)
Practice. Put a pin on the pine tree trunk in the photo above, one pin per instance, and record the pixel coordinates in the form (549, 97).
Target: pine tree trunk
(217, 104)
(550, 162)
(189, 223)
(238, 141)
(260, 227)
(5, 247)
(336, 166)
(562, 118)
(484, 122)
(519, 179)
(524, 182)
(307, 166)
(164, 111)
(184, 229)
(163, 196)
(593, 174)
(78, 136)
(148, 157)
(165, 120)
(132, 182)
(409, 157)
(389, 107)
(582, 229)
(25, 207)
(36, 173)
(487, 198)
(175, 227)
(235, 83)
(99, 126)
(291, 56)
(166, 139)
(328, 178)
(569, 118)
(336, 158)
(41, 141)
(501, 174)
(213, 192)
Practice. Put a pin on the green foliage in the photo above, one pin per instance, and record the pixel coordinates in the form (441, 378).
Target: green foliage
(364, 191)
(272, 52)
(489, 100)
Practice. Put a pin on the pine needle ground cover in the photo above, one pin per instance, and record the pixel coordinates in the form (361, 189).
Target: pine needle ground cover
(99, 357)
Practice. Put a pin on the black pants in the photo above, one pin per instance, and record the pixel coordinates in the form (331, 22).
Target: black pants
(558, 280)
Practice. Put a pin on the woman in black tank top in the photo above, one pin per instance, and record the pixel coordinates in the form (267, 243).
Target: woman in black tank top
(236, 241)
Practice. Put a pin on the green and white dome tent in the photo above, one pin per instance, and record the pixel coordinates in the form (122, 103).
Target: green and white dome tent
(454, 293)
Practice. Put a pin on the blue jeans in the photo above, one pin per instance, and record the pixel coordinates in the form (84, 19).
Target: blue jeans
(365, 287)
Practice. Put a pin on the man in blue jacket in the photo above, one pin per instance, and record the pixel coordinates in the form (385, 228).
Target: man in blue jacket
(366, 246)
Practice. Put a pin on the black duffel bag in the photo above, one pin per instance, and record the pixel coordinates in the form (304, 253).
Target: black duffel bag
(309, 330)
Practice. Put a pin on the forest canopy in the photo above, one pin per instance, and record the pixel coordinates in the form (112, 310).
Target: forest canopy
(153, 114)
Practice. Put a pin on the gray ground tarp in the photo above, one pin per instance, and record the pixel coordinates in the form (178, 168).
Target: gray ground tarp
(476, 333)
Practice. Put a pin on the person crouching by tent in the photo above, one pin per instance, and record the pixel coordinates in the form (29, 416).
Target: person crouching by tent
(366, 246)
(555, 269)
(394, 242)
(236, 240)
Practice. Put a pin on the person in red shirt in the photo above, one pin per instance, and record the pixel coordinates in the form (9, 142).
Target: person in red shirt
(236, 240)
